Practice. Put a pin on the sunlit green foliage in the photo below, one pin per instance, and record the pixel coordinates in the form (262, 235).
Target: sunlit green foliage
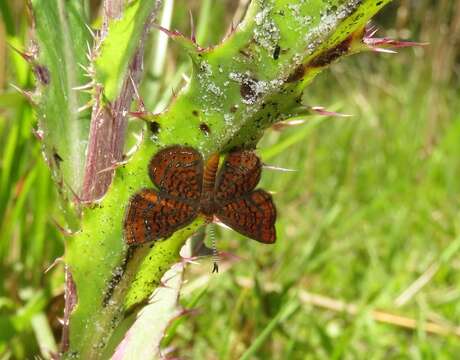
(373, 204)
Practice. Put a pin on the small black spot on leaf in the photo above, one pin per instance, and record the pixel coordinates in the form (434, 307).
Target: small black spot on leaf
(276, 53)
(154, 127)
(244, 53)
(57, 158)
(248, 89)
(205, 129)
(42, 74)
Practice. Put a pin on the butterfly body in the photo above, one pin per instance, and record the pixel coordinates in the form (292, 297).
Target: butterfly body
(186, 188)
(208, 206)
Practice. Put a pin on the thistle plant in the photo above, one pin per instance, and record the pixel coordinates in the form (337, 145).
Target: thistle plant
(88, 87)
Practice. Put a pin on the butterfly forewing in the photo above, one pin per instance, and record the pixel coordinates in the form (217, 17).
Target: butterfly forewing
(178, 172)
(238, 176)
(252, 215)
(151, 216)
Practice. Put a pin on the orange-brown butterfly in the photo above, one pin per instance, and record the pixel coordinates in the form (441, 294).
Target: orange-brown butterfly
(186, 189)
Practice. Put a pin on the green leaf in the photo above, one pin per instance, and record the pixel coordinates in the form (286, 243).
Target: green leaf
(63, 45)
(119, 45)
(44, 335)
(285, 312)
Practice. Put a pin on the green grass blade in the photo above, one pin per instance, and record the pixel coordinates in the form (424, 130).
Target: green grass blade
(283, 315)
(44, 335)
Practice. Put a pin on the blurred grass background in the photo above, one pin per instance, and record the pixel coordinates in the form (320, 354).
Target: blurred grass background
(367, 260)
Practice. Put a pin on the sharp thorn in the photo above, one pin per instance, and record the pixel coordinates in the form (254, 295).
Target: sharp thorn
(385, 45)
(87, 106)
(27, 94)
(112, 167)
(143, 115)
(371, 31)
(90, 31)
(279, 126)
(136, 92)
(383, 50)
(25, 55)
(192, 28)
(89, 85)
(54, 263)
(133, 150)
(277, 168)
(322, 111)
(89, 54)
(76, 198)
(86, 69)
(221, 224)
(294, 122)
(166, 31)
(62, 230)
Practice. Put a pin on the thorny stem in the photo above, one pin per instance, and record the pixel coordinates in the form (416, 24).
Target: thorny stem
(106, 137)
(108, 121)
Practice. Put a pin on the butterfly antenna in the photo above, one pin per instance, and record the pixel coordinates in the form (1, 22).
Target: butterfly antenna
(215, 254)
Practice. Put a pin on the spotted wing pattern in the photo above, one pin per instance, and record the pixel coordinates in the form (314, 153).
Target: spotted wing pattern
(151, 216)
(252, 215)
(239, 175)
(178, 172)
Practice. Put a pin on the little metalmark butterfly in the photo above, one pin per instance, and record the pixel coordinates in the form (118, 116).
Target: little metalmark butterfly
(187, 189)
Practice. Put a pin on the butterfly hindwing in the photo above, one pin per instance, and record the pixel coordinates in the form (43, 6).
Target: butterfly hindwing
(178, 172)
(252, 215)
(151, 216)
(238, 176)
